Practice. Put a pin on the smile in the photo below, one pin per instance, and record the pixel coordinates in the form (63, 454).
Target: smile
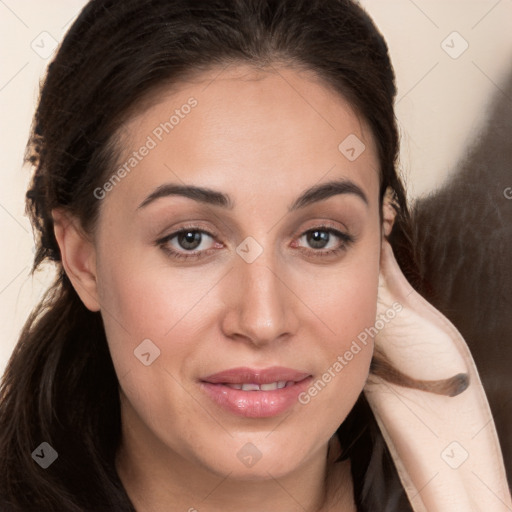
(256, 393)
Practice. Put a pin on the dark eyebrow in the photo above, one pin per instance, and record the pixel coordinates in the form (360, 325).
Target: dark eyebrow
(201, 194)
(326, 190)
(212, 197)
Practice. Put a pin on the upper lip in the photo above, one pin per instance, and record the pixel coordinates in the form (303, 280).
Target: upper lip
(252, 376)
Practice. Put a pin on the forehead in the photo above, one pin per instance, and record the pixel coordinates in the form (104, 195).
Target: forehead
(237, 125)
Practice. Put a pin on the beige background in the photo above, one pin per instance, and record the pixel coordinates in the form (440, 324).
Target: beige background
(442, 104)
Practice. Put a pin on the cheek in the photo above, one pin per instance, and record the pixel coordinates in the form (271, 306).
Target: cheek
(143, 301)
(345, 298)
(146, 301)
(347, 307)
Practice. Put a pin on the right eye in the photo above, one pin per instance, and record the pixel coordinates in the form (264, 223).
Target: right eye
(187, 243)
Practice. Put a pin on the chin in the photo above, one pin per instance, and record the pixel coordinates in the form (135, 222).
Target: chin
(254, 457)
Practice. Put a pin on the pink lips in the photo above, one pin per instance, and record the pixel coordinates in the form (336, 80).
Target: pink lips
(265, 393)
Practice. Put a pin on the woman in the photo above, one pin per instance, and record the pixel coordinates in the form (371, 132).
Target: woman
(216, 183)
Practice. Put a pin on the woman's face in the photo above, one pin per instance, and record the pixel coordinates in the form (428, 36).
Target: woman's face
(272, 280)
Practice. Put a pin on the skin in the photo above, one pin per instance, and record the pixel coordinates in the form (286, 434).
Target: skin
(255, 137)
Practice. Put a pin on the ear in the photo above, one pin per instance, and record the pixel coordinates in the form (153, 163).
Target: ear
(78, 256)
(388, 212)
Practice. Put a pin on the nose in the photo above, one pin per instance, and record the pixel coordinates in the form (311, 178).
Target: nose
(260, 307)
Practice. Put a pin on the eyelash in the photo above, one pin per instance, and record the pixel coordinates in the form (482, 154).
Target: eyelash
(346, 241)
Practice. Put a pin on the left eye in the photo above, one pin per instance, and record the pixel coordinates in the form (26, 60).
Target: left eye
(326, 240)
(318, 238)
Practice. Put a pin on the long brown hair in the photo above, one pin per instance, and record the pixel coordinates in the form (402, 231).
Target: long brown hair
(60, 385)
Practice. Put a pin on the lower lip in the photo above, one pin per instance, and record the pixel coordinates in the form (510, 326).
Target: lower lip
(255, 404)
